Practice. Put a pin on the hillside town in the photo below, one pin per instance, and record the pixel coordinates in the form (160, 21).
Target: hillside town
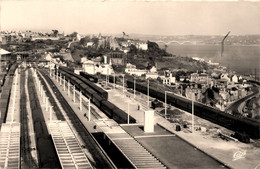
(213, 84)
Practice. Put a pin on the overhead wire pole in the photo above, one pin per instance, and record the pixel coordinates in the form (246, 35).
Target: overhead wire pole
(134, 88)
(68, 87)
(123, 83)
(64, 83)
(74, 98)
(148, 93)
(165, 104)
(89, 107)
(51, 113)
(114, 80)
(192, 100)
(128, 113)
(80, 100)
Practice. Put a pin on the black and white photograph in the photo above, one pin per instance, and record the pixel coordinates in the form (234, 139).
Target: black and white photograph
(152, 84)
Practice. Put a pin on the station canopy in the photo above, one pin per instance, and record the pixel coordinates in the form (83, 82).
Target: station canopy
(4, 52)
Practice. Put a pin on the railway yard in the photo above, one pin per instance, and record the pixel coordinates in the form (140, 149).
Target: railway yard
(54, 118)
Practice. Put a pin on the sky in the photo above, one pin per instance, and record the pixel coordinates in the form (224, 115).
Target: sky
(140, 17)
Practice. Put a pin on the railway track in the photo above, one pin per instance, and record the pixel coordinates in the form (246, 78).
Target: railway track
(99, 158)
(47, 155)
(27, 160)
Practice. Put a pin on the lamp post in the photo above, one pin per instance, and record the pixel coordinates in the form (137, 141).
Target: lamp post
(165, 104)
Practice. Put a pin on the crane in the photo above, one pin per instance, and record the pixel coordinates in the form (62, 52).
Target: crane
(222, 44)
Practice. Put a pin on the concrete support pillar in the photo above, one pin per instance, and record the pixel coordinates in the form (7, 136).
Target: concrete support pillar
(74, 91)
(80, 100)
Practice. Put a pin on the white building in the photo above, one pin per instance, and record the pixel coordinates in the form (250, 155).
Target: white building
(153, 74)
(234, 79)
(89, 67)
(78, 37)
(198, 59)
(89, 44)
(224, 76)
(93, 67)
(143, 46)
(167, 78)
(131, 69)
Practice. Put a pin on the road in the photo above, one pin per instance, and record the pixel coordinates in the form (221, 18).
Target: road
(234, 107)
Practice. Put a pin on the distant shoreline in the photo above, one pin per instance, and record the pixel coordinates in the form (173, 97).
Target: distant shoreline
(204, 44)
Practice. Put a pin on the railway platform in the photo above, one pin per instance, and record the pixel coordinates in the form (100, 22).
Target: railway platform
(10, 130)
(114, 132)
(13, 113)
(229, 153)
(83, 139)
(10, 145)
(67, 147)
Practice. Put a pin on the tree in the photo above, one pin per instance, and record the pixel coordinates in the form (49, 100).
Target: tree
(73, 35)
(95, 41)
(84, 41)
(55, 32)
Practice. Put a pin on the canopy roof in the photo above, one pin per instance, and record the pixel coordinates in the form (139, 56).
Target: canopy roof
(4, 52)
